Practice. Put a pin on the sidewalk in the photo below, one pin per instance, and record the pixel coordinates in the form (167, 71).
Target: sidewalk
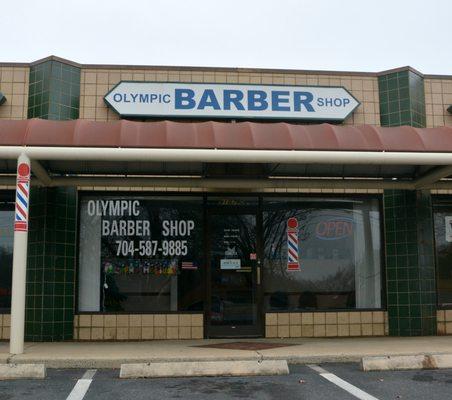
(113, 354)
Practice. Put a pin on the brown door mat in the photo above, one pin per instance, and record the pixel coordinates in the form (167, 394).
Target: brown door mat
(246, 345)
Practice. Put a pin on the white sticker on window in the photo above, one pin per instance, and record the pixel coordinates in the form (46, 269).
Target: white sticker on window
(230, 263)
(448, 222)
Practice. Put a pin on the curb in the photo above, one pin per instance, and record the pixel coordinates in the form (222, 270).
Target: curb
(419, 361)
(368, 363)
(116, 363)
(22, 371)
(203, 368)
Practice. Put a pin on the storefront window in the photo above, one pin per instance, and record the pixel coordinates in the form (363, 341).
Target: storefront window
(140, 254)
(332, 262)
(443, 241)
(6, 249)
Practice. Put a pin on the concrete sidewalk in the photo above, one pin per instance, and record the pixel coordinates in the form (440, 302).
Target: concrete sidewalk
(113, 354)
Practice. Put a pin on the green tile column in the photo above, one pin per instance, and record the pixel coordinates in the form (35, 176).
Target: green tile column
(402, 99)
(51, 264)
(410, 265)
(54, 91)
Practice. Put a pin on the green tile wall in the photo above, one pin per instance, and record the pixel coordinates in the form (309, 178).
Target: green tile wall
(410, 265)
(402, 100)
(54, 91)
(51, 265)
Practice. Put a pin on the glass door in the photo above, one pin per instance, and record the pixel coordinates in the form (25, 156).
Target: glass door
(234, 274)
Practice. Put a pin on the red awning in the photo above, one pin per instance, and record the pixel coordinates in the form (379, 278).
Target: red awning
(221, 135)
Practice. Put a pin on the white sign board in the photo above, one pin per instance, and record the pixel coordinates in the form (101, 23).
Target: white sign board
(448, 222)
(211, 100)
(230, 263)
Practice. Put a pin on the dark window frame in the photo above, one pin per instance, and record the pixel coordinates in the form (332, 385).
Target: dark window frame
(338, 197)
(447, 201)
(259, 209)
(125, 193)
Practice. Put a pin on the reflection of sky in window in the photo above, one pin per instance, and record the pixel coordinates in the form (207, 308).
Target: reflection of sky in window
(6, 230)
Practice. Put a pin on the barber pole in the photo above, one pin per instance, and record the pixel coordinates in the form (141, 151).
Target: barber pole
(293, 263)
(22, 197)
(16, 342)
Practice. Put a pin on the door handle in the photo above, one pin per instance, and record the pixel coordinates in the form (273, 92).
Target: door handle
(258, 273)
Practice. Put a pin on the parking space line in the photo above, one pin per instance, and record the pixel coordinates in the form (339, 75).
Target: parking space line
(348, 387)
(82, 385)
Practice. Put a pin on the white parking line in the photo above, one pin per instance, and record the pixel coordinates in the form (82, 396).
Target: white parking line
(82, 385)
(353, 390)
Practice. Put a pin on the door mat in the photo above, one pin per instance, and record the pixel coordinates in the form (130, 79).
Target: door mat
(246, 345)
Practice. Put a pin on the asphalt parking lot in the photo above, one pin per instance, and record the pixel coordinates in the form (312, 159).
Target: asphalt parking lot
(327, 381)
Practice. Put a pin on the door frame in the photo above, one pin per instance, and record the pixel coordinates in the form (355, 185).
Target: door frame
(258, 329)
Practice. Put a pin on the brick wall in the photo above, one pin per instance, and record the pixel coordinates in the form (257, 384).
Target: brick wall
(5, 323)
(14, 85)
(444, 318)
(95, 83)
(326, 324)
(138, 327)
(438, 97)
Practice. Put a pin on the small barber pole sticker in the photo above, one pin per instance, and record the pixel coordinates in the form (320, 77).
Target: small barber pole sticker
(293, 263)
(22, 197)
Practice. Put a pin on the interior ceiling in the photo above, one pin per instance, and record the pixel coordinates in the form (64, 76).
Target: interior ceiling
(218, 170)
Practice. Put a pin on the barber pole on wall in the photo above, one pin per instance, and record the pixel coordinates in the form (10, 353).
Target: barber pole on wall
(293, 263)
(22, 197)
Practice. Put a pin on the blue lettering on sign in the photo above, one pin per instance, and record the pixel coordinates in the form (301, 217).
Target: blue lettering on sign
(279, 97)
(233, 97)
(208, 99)
(141, 98)
(257, 100)
(183, 99)
(305, 99)
(332, 102)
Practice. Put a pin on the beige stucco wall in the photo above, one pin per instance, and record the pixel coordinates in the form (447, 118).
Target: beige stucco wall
(95, 83)
(438, 97)
(14, 85)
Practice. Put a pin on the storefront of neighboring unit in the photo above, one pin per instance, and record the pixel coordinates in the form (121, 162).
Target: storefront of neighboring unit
(125, 247)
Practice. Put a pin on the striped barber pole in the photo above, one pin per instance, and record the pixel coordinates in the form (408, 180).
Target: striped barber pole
(293, 263)
(22, 197)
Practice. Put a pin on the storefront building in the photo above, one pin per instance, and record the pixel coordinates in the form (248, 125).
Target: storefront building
(265, 203)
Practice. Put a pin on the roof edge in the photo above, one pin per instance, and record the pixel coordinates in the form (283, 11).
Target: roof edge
(225, 69)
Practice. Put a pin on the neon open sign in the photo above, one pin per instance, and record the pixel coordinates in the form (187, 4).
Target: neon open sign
(334, 228)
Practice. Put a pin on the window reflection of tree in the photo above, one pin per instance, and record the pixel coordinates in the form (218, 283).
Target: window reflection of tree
(340, 280)
(275, 236)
